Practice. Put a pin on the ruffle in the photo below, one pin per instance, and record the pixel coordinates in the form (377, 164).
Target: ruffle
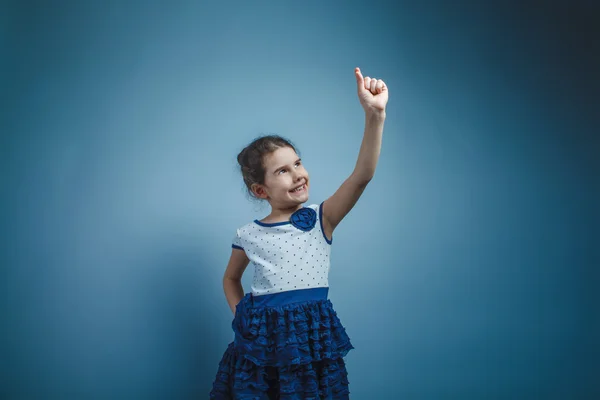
(295, 351)
(292, 334)
(238, 378)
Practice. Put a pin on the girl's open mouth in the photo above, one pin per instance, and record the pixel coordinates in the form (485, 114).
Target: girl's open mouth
(299, 190)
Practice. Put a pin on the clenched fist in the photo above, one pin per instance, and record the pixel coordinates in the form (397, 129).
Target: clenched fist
(372, 93)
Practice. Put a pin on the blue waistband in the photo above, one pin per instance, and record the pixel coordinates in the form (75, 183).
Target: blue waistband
(290, 296)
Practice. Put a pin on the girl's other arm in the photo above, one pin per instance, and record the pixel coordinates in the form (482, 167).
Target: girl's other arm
(373, 96)
(232, 280)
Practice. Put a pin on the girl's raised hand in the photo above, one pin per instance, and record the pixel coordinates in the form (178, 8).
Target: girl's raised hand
(372, 93)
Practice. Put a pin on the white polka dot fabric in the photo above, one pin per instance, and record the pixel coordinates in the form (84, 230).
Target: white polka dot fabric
(285, 257)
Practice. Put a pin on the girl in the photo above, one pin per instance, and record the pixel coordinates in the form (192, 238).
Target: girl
(289, 342)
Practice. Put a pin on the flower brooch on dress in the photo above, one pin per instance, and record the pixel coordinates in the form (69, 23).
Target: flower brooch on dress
(304, 219)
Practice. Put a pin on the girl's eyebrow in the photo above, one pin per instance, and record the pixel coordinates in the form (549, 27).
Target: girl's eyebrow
(283, 166)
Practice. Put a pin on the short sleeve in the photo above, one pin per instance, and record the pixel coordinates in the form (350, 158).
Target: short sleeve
(236, 242)
(329, 241)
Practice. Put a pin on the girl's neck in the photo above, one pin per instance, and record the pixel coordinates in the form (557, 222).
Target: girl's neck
(280, 214)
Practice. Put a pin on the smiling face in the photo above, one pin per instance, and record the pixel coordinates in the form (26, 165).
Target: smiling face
(284, 172)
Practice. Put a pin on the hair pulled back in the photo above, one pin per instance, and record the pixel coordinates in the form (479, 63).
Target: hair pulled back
(251, 159)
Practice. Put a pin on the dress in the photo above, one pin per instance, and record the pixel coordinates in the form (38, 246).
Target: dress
(288, 340)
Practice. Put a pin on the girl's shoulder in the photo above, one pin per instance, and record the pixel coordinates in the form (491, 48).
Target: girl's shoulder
(314, 206)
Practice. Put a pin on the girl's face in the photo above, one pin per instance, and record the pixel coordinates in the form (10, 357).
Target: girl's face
(284, 172)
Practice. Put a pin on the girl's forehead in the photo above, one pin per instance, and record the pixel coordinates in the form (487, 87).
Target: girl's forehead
(281, 156)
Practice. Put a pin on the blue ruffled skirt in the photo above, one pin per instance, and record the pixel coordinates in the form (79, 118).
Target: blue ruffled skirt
(288, 345)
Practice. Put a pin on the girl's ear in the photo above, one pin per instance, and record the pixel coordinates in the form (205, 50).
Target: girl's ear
(259, 191)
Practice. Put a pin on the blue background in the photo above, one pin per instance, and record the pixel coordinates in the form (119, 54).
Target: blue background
(468, 269)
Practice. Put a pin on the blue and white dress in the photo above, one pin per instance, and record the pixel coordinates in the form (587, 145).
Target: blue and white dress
(289, 342)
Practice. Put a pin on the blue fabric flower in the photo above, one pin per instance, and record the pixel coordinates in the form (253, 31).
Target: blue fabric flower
(304, 219)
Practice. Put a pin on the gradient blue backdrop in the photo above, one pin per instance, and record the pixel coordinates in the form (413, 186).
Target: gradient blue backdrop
(468, 269)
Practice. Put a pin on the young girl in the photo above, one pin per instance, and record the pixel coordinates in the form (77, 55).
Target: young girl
(289, 342)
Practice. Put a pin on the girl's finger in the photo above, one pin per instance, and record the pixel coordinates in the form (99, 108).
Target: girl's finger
(367, 83)
(374, 86)
(359, 78)
(380, 86)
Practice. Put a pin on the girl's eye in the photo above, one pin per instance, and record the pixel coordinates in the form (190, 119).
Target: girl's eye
(280, 171)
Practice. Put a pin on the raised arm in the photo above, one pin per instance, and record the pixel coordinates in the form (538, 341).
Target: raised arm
(373, 96)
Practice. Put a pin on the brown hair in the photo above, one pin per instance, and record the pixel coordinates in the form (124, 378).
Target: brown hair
(251, 159)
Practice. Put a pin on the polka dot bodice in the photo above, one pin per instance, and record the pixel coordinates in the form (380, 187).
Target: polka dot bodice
(287, 255)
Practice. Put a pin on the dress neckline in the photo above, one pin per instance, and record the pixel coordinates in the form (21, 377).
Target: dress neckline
(271, 223)
(303, 218)
(288, 221)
